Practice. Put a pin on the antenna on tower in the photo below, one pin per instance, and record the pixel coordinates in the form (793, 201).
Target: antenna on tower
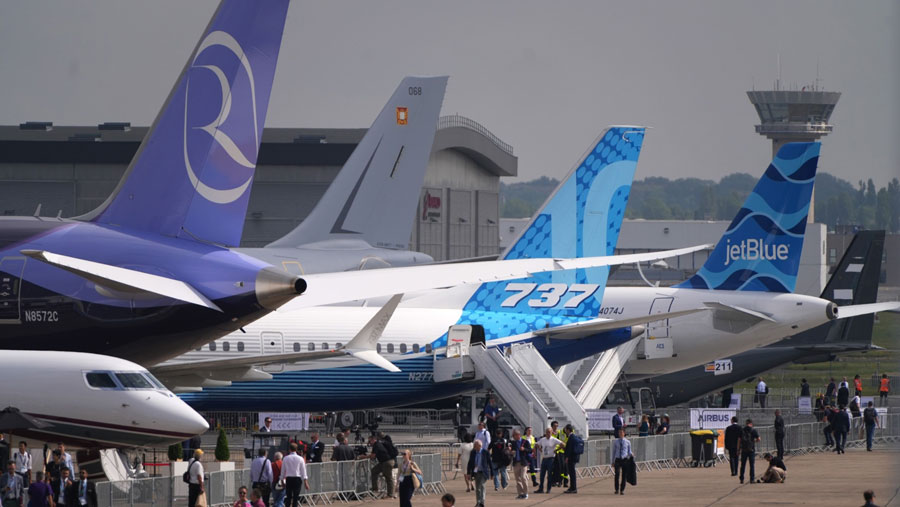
(778, 80)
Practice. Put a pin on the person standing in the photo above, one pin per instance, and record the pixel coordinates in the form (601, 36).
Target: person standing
(342, 451)
(293, 476)
(761, 391)
(804, 388)
(560, 476)
(316, 449)
(12, 489)
(857, 384)
(23, 463)
(66, 458)
(384, 467)
(779, 433)
(532, 456)
(869, 497)
(491, 413)
(644, 428)
(884, 389)
(483, 435)
(828, 429)
(479, 470)
(40, 494)
(732, 443)
(663, 428)
(830, 391)
(405, 482)
(621, 453)
(749, 437)
(277, 488)
(547, 446)
(521, 454)
(267, 425)
(841, 425)
(500, 459)
(843, 393)
(195, 473)
(261, 475)
(62, 489)
(574, 448)
(870, 419)
(462, 459)
(86, 491)
(618, 420)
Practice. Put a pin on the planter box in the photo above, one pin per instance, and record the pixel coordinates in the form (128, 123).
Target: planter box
(218, 466)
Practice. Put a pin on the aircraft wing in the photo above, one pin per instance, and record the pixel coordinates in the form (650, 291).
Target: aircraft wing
(123, 279)
(588, 327)
(362, 346)
(330, 288)
(857, 310)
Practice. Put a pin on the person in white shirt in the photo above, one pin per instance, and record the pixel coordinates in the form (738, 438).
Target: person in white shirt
(293, 471)
(483, 435)
(66, 458)
(195, 472)
(23, 463)
(761, 391)
(261, 475)
(547, 446)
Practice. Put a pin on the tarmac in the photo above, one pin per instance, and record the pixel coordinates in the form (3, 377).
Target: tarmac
(822, 479)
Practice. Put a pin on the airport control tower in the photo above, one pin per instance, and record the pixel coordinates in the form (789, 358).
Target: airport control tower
(794, 115)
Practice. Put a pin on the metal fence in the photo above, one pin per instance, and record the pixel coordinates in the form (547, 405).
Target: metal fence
(342, 481)
(412, 420)
(674, 450)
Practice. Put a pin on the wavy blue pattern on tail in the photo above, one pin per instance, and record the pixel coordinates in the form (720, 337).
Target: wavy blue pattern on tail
(760, 250)
(581, 218)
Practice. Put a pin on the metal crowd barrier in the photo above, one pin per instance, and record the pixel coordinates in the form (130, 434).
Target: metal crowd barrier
(329, 482)
(674, 449)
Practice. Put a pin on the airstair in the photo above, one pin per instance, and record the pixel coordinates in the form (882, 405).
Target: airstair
(530, 388)
(593, 378)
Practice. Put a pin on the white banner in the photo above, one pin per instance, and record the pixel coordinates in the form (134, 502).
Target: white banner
(804, 405)
(735, 401)
(711, 418)
(286, 421)
(600, 420)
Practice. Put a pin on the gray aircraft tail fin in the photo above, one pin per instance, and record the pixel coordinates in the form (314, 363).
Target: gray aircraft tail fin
(855, 282)
(374, 196)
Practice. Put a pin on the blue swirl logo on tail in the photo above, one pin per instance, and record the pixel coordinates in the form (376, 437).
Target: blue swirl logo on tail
(760, 250)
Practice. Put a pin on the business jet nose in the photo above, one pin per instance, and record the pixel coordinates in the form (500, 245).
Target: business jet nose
(185, 420)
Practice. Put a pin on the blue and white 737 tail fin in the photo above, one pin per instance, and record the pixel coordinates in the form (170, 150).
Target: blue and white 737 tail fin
(760, 250)
(191, 175)
(581, 218)
(375, 194)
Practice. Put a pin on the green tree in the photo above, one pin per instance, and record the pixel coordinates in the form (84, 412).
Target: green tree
(176, 452)
(222, 451)
(883, 210)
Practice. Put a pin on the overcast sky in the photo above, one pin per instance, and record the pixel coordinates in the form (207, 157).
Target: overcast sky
(544, 76)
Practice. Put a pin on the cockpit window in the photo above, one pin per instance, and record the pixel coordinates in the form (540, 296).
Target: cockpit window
(153, 380)
(100, 380)
(133, 381)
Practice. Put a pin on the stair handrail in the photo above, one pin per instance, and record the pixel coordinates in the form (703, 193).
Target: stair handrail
(513, 377)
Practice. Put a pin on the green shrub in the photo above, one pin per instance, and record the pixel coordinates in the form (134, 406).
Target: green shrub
(176, 452)
(222, 452)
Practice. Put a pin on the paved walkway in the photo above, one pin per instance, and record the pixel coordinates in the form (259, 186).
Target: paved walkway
(815, 479)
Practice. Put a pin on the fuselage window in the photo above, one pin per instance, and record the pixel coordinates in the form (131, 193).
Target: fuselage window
(296, 346)
(133, 381)
(338, 345)
(378, 348)
(311, 346)
(212, 346)
(240, 346)
(416, 347)
(324, 345)
(390, 348)
(428, 348)
(226, 346)
(100, 380)
(403, 348)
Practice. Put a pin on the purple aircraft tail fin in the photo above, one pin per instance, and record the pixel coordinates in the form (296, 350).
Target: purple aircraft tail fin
(191, 176)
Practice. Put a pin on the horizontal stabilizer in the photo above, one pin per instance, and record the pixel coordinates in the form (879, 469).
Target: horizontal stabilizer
(123, 279)
(330, 288)
(589, 327)
(740, 310)
(857, 310)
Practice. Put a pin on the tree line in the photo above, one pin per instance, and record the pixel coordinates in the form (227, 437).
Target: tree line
(837, 201)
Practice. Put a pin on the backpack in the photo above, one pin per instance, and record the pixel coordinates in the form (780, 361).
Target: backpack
(747, 439)
(577, 444)
(186, 476)
(389, 447)
(869, 415)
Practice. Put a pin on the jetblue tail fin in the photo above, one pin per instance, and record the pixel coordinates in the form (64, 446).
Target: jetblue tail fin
(581, 218)
(760, 250)
(384, 173)
(191, 175)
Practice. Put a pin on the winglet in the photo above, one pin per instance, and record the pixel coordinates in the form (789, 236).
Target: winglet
(363, 345)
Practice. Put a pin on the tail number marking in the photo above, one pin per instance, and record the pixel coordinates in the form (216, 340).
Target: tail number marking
(549, 294)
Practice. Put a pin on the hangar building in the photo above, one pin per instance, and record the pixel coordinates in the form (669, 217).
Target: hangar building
(71, 170)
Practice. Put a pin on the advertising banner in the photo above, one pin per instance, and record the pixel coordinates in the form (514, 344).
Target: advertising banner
(711, 418)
